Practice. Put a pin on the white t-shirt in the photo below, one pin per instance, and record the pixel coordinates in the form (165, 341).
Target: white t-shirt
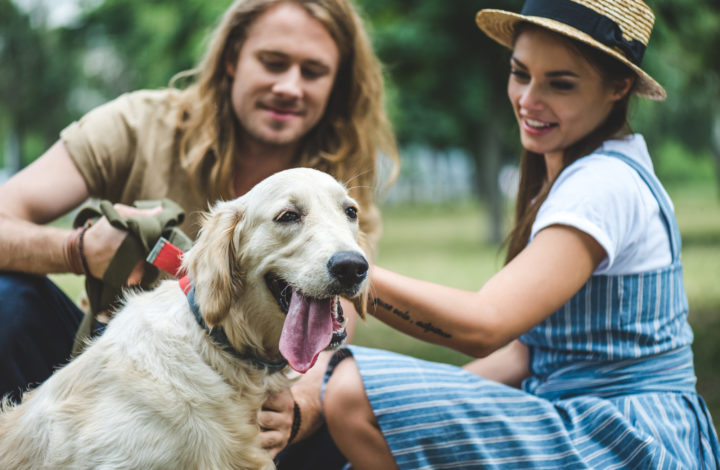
(607, 199)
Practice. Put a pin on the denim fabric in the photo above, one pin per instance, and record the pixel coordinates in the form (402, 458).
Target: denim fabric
(317, 452)
(37, 328)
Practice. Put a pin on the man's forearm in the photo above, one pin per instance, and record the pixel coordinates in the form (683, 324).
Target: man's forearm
(32, 248)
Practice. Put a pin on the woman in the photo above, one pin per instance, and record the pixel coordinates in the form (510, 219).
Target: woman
(588, 315)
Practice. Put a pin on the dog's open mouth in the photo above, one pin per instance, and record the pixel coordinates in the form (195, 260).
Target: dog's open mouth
(312, 324)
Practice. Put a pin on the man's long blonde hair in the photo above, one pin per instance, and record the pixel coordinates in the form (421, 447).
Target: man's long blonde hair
(347, 142)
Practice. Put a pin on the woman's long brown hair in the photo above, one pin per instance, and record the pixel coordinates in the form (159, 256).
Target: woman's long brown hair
(533, 189)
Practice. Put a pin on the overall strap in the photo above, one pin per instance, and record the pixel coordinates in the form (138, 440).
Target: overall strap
(661, 197)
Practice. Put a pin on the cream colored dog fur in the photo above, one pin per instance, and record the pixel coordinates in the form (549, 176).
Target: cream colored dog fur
(155, 391)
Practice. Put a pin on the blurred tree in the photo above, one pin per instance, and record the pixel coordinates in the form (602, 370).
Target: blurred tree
(36, 76)
(135, 44)
(447, 80)
(688, 63)
(449, 84)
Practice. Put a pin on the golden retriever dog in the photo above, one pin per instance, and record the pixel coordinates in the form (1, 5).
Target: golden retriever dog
(164, 388)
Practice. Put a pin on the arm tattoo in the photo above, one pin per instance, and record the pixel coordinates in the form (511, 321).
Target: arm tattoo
(427, 327)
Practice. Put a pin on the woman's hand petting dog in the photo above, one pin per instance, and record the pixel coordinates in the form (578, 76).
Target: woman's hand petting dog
(276, 420)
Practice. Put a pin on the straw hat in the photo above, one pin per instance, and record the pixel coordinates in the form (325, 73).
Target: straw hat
(621, 28)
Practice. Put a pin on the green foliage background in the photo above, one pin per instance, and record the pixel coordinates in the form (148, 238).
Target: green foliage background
(446, 79)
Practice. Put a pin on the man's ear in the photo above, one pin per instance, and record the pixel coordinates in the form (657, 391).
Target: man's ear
(212, 261)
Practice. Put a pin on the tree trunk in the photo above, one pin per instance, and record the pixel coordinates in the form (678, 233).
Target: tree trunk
(488, 164)
(715, 145)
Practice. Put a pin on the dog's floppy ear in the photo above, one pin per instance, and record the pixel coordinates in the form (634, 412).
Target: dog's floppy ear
(212, 262)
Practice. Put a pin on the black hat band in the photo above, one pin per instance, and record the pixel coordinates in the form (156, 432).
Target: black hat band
(585, 19)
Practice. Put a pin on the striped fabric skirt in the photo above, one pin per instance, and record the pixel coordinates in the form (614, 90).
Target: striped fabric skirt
(437, 416)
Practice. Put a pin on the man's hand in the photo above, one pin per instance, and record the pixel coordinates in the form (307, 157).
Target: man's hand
(102, 241)
(276, 420)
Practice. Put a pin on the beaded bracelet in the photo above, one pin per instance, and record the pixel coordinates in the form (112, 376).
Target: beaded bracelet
(81, 250)
(72, 253)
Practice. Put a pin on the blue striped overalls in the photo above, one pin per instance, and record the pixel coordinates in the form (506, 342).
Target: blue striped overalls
(612, 386)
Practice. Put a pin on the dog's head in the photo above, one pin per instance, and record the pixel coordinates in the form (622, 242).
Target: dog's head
(269, 267)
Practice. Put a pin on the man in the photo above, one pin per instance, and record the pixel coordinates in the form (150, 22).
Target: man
(283, 83)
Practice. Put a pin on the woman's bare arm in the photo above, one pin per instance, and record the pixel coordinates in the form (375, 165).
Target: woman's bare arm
(508, 365)
(543, 277)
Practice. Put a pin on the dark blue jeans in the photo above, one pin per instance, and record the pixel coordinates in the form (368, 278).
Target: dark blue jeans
(37, 329)
(317, 452)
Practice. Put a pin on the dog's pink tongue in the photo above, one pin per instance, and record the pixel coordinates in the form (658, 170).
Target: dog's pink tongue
(307, 331)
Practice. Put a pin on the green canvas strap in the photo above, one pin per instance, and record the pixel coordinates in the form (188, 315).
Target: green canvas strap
(143, 232)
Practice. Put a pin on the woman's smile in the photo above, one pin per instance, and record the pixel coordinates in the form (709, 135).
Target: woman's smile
(537, 127)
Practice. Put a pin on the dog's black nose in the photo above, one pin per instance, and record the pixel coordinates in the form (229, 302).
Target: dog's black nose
(348, 267)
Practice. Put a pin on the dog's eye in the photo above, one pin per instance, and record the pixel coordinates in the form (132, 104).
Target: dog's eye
(287, 217)
(351, 212)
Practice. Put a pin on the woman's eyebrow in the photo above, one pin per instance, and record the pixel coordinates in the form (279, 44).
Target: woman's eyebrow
(553, 74)
(562, 73)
